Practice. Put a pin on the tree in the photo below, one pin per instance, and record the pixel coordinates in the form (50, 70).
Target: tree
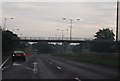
(9, 42)
(42, 47)
(82, 46)
(104, 34)
(22, 45)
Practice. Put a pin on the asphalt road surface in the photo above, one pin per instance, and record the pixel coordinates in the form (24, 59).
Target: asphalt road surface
(45, 66)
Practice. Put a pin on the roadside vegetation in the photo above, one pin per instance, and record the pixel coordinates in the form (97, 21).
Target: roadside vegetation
(9, 43)
(103, 46)
(107, 61)
(104, 52)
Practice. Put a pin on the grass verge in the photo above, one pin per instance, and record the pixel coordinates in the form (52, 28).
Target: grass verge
(90, 59)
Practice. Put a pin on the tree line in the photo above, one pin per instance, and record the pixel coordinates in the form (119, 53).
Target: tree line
(9, 42)
(106, 42)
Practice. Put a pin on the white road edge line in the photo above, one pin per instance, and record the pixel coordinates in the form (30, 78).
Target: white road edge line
(77, 79)
(5, 67)
(4, 62)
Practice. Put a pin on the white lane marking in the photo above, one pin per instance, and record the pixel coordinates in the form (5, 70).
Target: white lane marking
(35, 67)
(59, 67)
(50, 62)
(77, 79)
(35, 63)
(4, 62)
(27, 68)
(15, 64)
(5, 67)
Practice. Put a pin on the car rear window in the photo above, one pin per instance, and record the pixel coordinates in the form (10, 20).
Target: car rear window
(18, 52)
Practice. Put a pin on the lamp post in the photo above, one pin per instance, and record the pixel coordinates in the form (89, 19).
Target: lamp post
(71, 23)
(62, 32)
(117, 24)
(5, 20)
(117, 20)
(0, 29)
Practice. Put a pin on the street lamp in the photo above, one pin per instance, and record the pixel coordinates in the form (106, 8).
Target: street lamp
(15, 29)
(117, 20)
(62, 32)
(117, 24)
(5, 20)
(71, 20)
(0, 27)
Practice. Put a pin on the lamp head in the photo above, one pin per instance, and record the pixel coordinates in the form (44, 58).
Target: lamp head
(64, 18)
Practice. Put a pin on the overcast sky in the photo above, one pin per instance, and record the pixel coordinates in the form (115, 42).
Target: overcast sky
(39, 19)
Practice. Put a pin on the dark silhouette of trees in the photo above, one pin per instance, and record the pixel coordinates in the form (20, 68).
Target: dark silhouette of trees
(42, 47)
(104, 34)
(99, 44)
(102, 46)
(82, 47)
(9, 42)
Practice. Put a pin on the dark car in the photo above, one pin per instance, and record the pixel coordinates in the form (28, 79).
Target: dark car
(18, 55)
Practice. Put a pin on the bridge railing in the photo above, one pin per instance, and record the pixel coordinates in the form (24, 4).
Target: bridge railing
(54, 38)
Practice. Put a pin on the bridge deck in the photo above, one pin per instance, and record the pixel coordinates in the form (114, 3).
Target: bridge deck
(59, 39)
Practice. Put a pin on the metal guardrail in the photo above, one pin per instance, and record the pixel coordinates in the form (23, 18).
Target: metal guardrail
(55, 38)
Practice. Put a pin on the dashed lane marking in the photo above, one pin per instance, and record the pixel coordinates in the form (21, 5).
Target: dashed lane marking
(50, 62)
(35, 67)
(16, 64)
(27, 68)
(59, 67)
(77, 79)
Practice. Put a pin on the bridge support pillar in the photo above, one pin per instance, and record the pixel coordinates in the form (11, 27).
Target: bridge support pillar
(64, 47)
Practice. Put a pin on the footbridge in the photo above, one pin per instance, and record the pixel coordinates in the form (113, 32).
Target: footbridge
(55, 39)
(59, 39)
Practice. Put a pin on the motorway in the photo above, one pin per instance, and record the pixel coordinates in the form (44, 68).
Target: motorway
(45, 66)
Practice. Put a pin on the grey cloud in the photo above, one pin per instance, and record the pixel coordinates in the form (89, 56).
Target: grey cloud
(91, 13)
